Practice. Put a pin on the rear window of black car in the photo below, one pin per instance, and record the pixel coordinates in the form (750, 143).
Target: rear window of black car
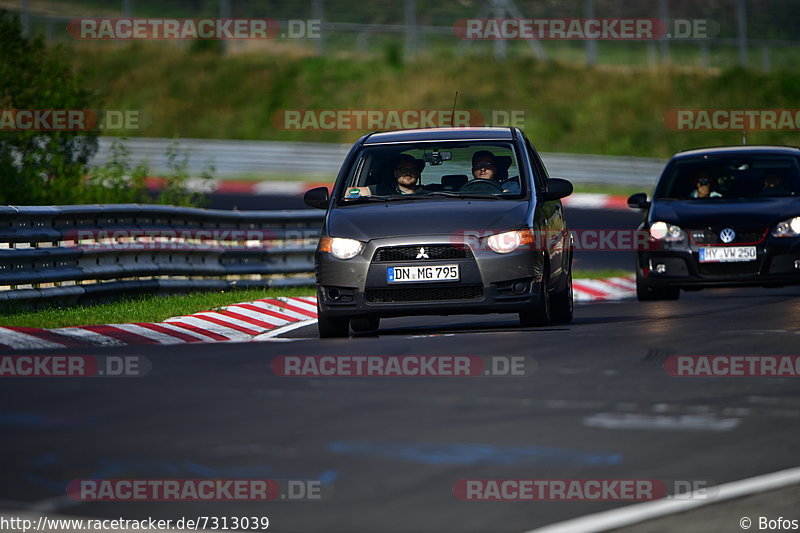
(739, 176)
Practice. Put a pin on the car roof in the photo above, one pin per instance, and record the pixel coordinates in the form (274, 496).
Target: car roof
(439, 134)
(738, 150)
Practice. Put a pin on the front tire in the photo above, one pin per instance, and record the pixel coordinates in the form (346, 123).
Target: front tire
(562, 305)
(330, 327)
(540, 315)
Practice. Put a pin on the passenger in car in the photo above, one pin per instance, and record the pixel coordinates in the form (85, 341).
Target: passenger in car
(773, 185)
(702, 183)
(407, 171)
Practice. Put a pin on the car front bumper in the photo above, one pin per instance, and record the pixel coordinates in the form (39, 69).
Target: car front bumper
(777, 263)
(489, 282)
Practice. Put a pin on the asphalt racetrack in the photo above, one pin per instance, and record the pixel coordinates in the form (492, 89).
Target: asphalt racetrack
(596, 403)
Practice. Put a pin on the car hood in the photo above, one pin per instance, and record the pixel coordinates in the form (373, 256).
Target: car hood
(701, 213)
(365, 222)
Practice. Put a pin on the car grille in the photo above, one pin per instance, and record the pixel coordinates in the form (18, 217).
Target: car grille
(424, 294)
(728, 269)
(435, 252)
(710, 236)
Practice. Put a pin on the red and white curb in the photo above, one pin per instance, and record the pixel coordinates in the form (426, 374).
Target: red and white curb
(258, 320)
(234, 323)
(592, 290)
(577, 200)
(585, 200)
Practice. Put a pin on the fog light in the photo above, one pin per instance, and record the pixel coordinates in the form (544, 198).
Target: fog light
(661, 268)
(797, 264)
(334, 293)
(518, 287)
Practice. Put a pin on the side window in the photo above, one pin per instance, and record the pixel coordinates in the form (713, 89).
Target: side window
(539, 172)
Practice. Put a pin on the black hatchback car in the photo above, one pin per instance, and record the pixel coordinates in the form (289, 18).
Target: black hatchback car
(721, 217)
(442, 221)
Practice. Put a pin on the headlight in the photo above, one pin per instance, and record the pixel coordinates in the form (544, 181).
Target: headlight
(787, 228)
(667, 232)
(503, 243)
(341, 248)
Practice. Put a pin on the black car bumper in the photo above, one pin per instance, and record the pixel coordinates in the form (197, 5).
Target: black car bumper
(775, 264)
(439, 300)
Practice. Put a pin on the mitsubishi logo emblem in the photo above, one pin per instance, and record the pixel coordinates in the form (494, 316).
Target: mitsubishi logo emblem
(422, 254)
(727, 235)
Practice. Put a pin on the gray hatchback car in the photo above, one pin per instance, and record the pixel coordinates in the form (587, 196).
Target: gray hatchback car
(442, 221)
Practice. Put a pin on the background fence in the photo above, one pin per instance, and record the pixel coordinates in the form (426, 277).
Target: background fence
(763, 33)
(80, 252)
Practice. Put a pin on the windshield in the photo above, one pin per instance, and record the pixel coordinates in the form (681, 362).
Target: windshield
(747, 176)
(458, 169)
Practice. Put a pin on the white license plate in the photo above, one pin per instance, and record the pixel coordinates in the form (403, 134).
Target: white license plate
(728, 254)
(422, 273)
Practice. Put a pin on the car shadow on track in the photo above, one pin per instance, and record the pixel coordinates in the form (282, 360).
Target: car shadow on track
(442, 329)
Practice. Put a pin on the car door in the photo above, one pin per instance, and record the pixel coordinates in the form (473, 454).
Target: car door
(552, 214)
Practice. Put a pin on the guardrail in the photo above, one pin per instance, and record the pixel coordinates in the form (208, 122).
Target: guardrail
(279, 159)
(76, 252)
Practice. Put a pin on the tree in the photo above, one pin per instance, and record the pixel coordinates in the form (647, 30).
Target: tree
(40, 167)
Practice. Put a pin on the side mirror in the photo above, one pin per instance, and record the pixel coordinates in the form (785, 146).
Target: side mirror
(638, 201)
(557, 188)
(317, 197)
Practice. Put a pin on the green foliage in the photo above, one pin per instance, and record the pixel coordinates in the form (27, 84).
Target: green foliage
(118, 181)
(51, 167)
(174, 189)
(39, 166)
(393, 55)
(204, 46)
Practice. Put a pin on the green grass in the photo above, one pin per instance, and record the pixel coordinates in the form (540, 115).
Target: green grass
(150, 308)
(614, 110)
(600, 274)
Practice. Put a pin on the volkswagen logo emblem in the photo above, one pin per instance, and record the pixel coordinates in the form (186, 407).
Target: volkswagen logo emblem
(727, 235)
(422, 254)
